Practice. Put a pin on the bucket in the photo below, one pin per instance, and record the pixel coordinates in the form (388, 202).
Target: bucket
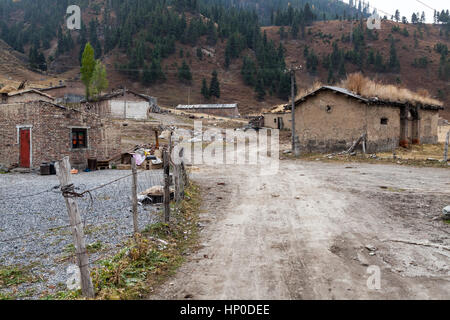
(92, 164)
(45, 169)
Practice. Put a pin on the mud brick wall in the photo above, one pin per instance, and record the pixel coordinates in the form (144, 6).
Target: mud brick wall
(428, 126)
(331, 122)
(271, 120)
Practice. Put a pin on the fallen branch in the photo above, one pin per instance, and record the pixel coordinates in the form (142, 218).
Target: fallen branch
(424, 244)
(362, 138)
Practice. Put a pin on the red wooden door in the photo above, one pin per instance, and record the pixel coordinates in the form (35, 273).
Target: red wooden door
(24, 148)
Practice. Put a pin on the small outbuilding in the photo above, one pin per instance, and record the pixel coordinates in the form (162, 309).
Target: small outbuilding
(122, 104)
(222, 110)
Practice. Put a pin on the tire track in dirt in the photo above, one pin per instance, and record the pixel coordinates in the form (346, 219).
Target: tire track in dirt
(302, 233)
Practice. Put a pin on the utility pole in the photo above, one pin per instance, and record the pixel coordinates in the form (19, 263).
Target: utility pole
(295, 149)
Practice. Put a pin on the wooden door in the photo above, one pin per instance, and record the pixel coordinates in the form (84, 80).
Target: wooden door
(25, 148)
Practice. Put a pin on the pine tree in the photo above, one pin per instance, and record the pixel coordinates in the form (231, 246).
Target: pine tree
(379, 65)
(199, 53)
(205, 90)
(184, 73)
(259, 89)
(214, 87)
(394, 63)
(397, 15)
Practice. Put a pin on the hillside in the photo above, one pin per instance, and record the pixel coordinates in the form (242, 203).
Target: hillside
(229, 39)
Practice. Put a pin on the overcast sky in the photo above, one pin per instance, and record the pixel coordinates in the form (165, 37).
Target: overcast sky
(408, 7)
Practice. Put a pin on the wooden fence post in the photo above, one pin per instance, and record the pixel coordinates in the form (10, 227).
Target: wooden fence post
(446, 146)
(176, 177)
(63, 171)
(182, 174)
(134, 196)
(166, 186)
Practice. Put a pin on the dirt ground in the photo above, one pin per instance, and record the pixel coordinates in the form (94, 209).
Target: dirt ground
(306, 232)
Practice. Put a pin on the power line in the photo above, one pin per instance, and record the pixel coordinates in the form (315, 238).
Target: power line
(426, 5)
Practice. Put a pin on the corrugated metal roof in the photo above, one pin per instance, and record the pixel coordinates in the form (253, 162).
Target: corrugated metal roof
(344, 91)
(208, 106)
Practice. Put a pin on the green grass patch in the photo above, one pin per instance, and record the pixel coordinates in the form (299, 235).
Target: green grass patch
(63, 295)
(14, 275)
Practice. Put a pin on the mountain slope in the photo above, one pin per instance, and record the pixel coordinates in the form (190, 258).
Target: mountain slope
(135, 36)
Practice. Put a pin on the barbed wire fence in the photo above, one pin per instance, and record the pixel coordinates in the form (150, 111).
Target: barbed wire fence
(105, 213)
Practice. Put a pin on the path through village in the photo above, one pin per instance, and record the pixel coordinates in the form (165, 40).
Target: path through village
(312, 230)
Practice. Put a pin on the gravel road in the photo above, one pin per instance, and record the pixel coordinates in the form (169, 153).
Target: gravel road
(313, 230)
(34, 230)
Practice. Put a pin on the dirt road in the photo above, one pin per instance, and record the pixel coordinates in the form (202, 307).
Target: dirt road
(302, 234)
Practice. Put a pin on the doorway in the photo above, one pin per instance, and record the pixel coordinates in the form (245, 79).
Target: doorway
(25, 147)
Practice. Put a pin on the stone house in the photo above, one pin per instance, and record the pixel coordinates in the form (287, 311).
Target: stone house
(222, 110)
(330, 119)
(40, 131)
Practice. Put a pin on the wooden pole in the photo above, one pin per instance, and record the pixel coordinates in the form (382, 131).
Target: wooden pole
(293, 109)
(166, 187)
(134, 196)
(446, 147)
(176, 177)
(63, 171)
(157, 139)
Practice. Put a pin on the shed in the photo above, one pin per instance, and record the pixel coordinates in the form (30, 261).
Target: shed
(223, 110)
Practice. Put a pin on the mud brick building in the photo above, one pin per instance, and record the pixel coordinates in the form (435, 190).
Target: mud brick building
(40, 131)
(123, 104)
(330, 119)
(222, 110)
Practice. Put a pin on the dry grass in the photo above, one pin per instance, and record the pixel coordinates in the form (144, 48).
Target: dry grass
(418, 152)
(303, 92)
(363, 86)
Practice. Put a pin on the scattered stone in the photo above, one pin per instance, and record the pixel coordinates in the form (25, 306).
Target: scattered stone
(362, 259)
(73, 281)
(275, 195)
(162, 241)
(287, 151)
(371, 248)
(446, 212)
